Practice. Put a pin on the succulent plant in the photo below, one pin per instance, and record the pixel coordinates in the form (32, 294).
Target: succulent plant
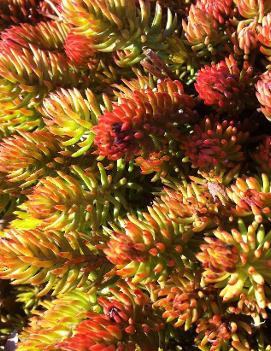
(135, 165)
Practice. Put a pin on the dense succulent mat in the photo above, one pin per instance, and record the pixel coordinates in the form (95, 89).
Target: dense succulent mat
(135, 168)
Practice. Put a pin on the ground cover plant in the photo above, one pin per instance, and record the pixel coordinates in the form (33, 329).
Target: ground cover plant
(135, 175)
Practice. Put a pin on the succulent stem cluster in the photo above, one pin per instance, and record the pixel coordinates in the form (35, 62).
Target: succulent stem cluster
(135, 175)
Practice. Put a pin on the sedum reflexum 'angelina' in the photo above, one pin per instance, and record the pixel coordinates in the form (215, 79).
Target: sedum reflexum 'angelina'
(203, 31)
(263, 93)
(62, 203)
(224, 86)
(84, 200)
(56, 320)
(44, 35)
(221, 332)
(218, 9)
(144, 121)
(194, 204)
(27, 75)
(129, 307)
(253, 8)
(16, 11)
(133, 212)
(79, 48)
(247, 37)
(251, 197)
(215, 145)
(71, 115)
(19, 119)
(264, 36)
(124, 25)
(127, 322)
(262, 156)
(27, 157)
(238, 261)
(97, 332)
(149, 247)
(60, 263)
(181, 300)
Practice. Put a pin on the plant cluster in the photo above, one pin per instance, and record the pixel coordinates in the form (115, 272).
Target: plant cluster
(135, 168)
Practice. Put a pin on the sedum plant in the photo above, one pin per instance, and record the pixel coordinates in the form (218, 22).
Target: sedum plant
(135, 175)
